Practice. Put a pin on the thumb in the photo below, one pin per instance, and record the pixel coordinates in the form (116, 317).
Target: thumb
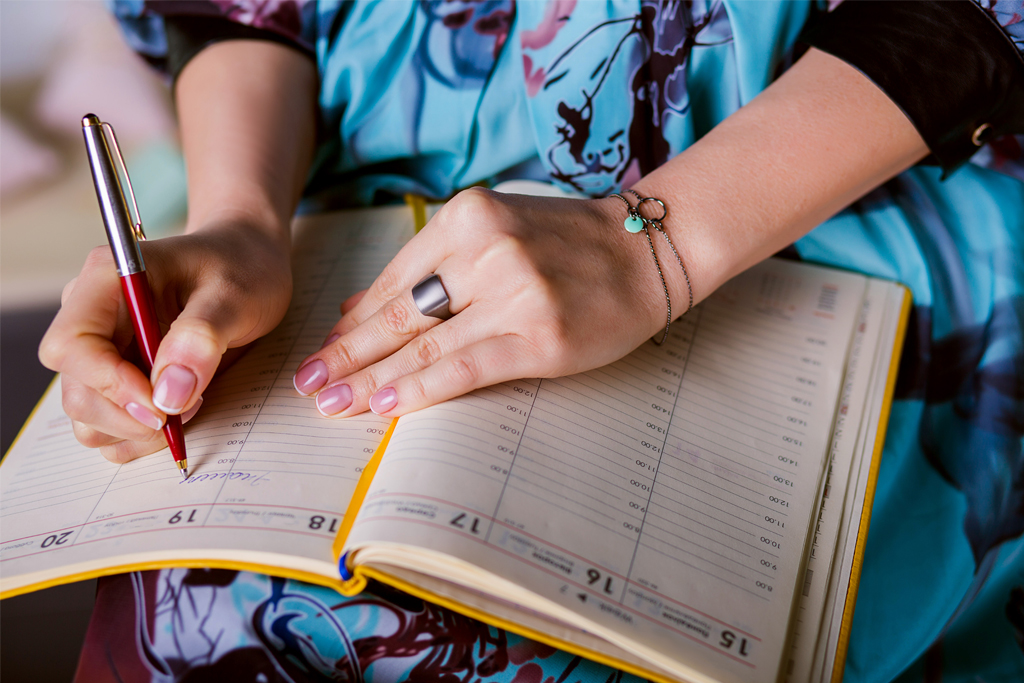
(192, 349)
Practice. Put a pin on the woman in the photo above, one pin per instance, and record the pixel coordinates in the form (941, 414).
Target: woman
(349, 104)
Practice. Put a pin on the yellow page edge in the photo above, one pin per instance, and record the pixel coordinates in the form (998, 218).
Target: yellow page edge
(846, 626)
(192, 563)
(352, 582)
(363, 573)
(31, 415)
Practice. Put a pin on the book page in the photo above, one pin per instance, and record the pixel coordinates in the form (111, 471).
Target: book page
(667, 497)
(269, 475)
(845, 453)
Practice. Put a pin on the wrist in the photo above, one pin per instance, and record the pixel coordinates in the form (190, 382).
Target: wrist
(263, 226)
(665, 275)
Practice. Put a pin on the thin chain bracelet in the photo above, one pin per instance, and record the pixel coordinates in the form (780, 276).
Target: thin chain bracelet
(636, 223)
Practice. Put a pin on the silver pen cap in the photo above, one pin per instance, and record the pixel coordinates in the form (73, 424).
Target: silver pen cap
(124, 229)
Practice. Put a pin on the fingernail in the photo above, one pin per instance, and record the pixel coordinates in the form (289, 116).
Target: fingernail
(330, 340)
(173, 389)
(310, 377)
(191, 412)
(143, 415)
(384, 400)
(334, 399)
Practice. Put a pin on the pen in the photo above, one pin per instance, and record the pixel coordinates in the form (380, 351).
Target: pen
(124, 230)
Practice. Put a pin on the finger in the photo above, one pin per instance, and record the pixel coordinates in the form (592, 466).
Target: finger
(191, 352)
(125, 451)
(97, 383)
(351, 395)
(66, 292)
(90, 307)
(350, 303)
(122, 451)
(92, 437)
(88, 407)
(491, 361)
(383, 333)
(422, 255)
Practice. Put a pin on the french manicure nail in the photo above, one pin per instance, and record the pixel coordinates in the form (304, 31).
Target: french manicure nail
(173, 389)
(384, 400)
(330, 340)
(191, 412)
(333, 400)
(143, 415)
(310, 377)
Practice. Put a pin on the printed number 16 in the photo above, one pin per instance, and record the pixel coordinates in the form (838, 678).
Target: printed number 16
(593, 576)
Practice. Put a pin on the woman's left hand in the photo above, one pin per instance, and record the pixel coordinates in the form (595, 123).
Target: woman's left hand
(539, 287)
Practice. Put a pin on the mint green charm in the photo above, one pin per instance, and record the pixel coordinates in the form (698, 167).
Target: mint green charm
(633, 224)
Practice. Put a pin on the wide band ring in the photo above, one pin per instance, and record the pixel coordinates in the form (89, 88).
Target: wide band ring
(431, 298)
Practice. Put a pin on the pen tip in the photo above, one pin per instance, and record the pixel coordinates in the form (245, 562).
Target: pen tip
(184, 473)
(90, 120)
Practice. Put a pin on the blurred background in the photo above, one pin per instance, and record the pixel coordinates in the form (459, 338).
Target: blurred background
(61, 59)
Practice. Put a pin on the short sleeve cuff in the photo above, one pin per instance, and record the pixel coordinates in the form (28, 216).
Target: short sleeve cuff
(948, 66)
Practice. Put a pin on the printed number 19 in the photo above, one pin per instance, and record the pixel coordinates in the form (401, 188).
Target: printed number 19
(177, 517)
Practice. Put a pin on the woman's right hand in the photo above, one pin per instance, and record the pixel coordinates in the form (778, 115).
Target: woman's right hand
(247, 110)
(218, 288)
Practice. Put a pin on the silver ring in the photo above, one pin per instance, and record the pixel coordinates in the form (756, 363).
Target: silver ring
(431, 298)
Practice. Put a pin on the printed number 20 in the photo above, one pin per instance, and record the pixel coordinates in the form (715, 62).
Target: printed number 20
(55, 539)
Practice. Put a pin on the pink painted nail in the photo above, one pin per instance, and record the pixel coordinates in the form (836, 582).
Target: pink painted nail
(384, 400)
(173, 389)
(330, 340)
(310, 377)
(143, 415)
(333, 400)
(191, 412)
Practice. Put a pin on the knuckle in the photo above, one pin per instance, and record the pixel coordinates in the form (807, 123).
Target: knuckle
(473, 204)
(548, 342)
(51, 352)
(120, 452)
(77, 401)
(193, 338)
(462, 371)
(68, 288)
(370, 380)
(426, 351)
(109, 384)
(389, 281)
(395, 318)
(89, 437)
(344, 357)
(415, 391)
(98, 257)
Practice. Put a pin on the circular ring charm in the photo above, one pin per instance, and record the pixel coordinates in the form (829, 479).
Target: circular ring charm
(664, 209)
(431, 298)
(633, 223)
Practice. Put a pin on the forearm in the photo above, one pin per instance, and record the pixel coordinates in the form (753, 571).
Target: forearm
(813, 142)
(247, 114)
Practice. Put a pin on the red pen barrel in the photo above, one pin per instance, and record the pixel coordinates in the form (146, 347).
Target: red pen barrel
(147, 335)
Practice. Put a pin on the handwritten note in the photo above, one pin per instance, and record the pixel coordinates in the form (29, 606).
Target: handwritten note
(268, 472)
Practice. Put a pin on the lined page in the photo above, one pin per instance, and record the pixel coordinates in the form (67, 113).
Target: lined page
(268, 473)
(667, 496)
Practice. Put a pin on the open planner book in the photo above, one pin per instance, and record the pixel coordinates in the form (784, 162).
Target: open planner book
(693, 512)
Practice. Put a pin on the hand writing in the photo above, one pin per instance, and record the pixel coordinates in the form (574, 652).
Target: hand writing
(217, 289)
